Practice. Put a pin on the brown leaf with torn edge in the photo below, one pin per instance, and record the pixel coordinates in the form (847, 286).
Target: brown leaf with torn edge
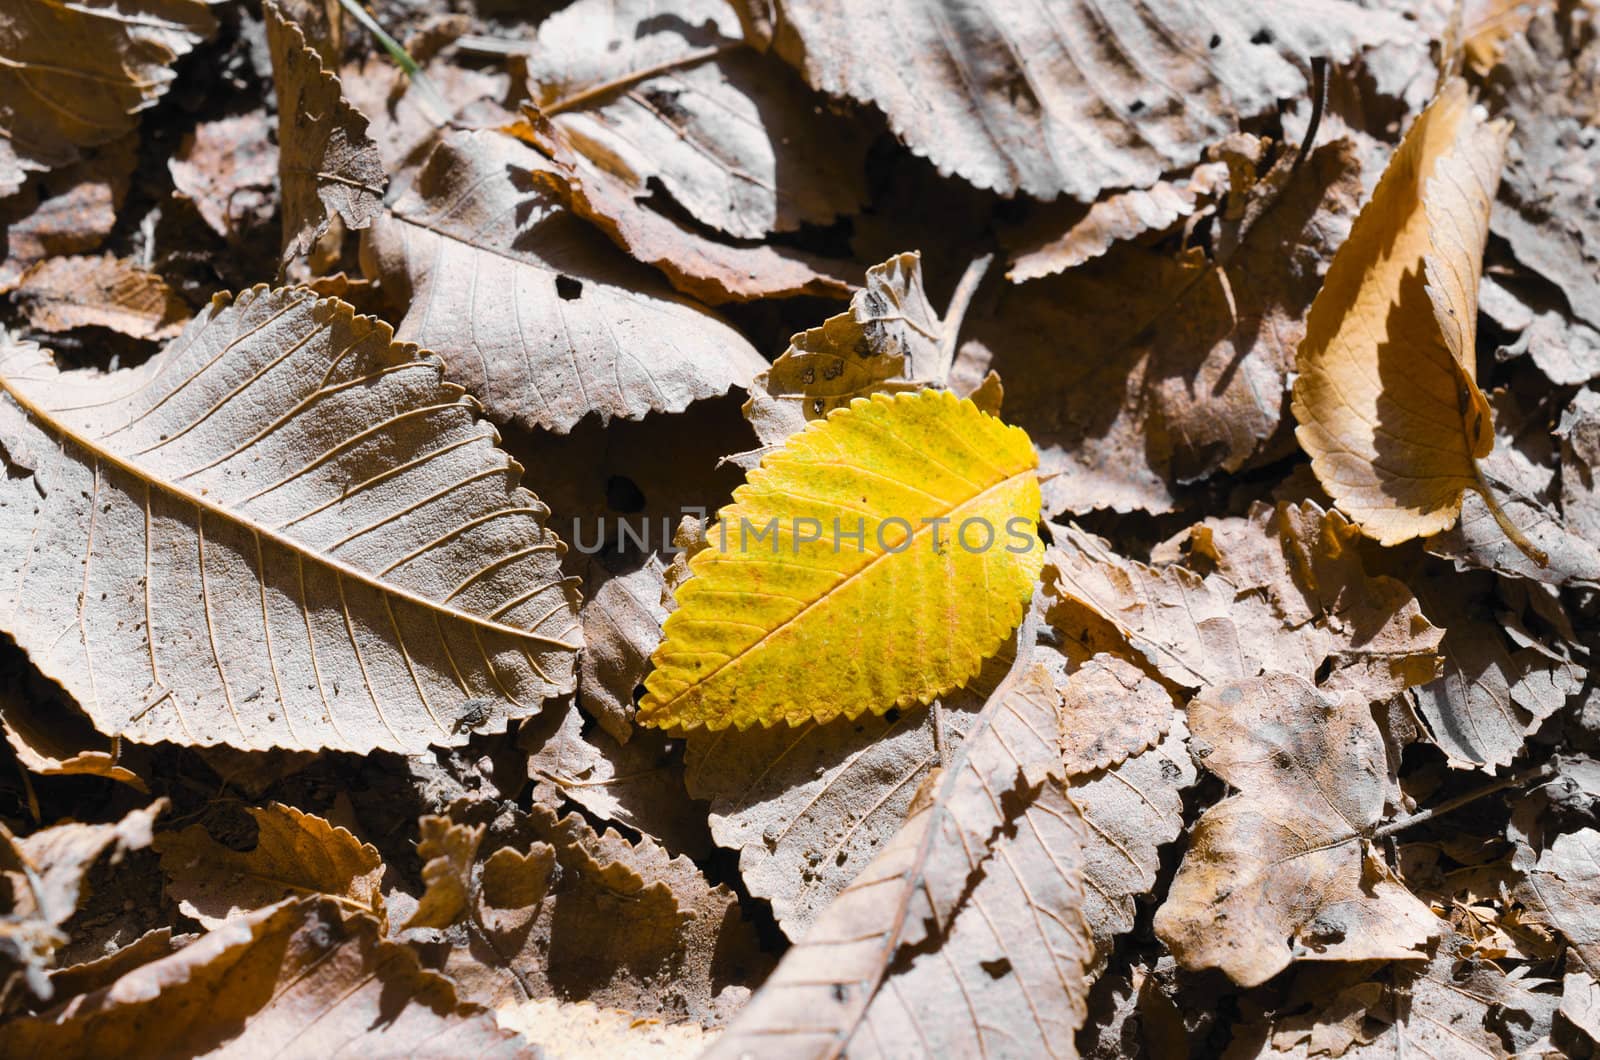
(1283, 870)
(59, 294)
(294, 854)
(388, 583)
(1387, 398)
(327, 165)
(535, 313)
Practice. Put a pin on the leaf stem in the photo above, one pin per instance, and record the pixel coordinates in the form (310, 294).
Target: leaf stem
(633, 77)
(956, 311)
(1451, 805)
(1513, 533)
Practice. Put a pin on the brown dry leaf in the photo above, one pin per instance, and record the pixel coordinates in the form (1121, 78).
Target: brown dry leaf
(1018, 100)
(69, 211)
(229, 169)
(77, 75)
(301, 978)
(1111, 711)
(973, 908)
(1561, 891)
(714, 271)
(736, 139)
(55, 738)
(808, 808)
(1131, 810)
(1146, 371)
(619, 924)
(888, 341)
(388, 582)
(1580, 1004)
(1284, 870)
(535, 313)
(294, 854)
(448, 852)
(46, 873)
(103, 971)
(577, 1030)
(1387, 400)
(1121, 216)
(621, 628)
(327, 165)
(1285, 591)
(62, 293)
(1548, 213)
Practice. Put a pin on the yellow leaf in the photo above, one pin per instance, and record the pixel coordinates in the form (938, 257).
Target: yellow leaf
(1387, 402)
(788, 618)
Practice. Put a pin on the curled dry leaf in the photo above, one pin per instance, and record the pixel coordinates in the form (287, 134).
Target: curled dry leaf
(1283, 870)
(327, 165)
(54, 738)
(1022, 105)
(536, 314)
(294, 854)
(833, 630)
(78, 75)
(387, 582)
(737, 140)
(621, 627)
(1387, 398)
(448, 852)
(1562, 890)
(60, 293)
(974, 908)
(229, 169)
(697, 264)
(303, 977)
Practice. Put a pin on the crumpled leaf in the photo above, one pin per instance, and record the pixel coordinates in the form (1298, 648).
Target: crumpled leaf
(448, 852)
(892, 465)
(808, 808)
(887, 342)
(578, 1030)
(1111, 710)
(300, 978)
(1562, 890)
(77, 75)
(294, 854)
(154, 495)
(1114, 218)
(229, 169)
(1018, 100)
(1284, 869)
(68, 211)
(735, 139)
(974, 908)
(1387, 399)
(619, 924)
(62, 293)
(535, 314)
(1142, 371)
(327, 165)
(1130, 809)
(55, 738)
(603, 191)
(621, 627)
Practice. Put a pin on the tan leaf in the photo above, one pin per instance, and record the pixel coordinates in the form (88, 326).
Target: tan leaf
(229, 169)
(736, 140)
(340, 559)
(55, 738)
(1562, 890)
(974, 908)
(1016, 100)
(1146, 370)
(69, 211)
(448, 851)
(1130, 810)
(62, 293)
(1111, 711)
(1386, 399)
(621, 627)
(808, 808)
(295, 854)
(1580, 1004)
(327, 165)
(78, 75)
(536, 314)
(103, 971)
(299, 978)
(1114, 218)
(1283, 869)
(577, 1030)
(616, 200)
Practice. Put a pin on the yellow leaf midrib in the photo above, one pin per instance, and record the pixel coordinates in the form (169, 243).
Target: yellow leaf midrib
(828, 593)
(44, 417)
